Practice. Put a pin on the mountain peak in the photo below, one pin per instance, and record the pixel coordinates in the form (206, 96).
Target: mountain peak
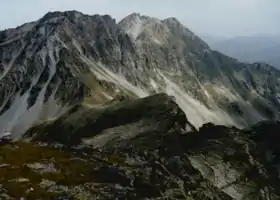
(136, 15)
(133, 15)
(132, 24)
(137, 24)
(174, 23)
(57, 15)
(154, 28)
(73, 16)
(172, 20)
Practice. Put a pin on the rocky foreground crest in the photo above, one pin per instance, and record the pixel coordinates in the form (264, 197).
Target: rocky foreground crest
(141, 149)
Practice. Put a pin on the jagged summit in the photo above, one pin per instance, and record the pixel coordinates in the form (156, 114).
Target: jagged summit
(179, 28)
(160, 32)
(133, 16)
(73, 16)
(135, 24)
(173, 22)
(136, 15)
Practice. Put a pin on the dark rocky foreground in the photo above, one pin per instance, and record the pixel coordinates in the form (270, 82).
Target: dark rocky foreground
(140, 149)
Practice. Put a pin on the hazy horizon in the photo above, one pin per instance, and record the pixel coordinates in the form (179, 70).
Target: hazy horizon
(218, 18)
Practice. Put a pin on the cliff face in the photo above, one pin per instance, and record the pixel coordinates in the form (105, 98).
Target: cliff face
(69, 58)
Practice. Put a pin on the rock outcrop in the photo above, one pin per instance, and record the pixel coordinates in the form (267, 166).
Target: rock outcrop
(141, 149)
(113, 124)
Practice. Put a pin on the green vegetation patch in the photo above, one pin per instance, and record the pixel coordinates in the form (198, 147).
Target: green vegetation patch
(17, 155)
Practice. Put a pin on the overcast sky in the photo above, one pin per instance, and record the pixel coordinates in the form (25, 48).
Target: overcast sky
(205, 17)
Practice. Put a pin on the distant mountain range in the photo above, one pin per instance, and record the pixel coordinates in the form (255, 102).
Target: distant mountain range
(249, 48)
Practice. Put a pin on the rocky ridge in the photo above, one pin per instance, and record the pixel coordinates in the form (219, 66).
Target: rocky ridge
(164, 158)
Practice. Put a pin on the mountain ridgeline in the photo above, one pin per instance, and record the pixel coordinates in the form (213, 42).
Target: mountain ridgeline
(68, 58)
(262, 48)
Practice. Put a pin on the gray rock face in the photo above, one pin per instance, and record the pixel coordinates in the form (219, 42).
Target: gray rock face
(69, 58)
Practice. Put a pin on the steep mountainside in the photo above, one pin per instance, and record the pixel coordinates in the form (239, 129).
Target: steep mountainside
(141, 149)
(68, 58)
